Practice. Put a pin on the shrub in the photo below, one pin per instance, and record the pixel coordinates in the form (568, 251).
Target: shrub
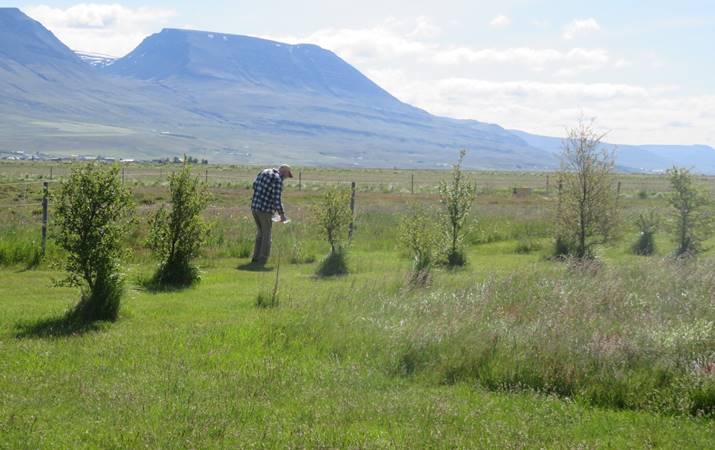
(334, 264)
(332, 215)
(647, 226)
(176, 237)
(692, 222)
(456, 197)
(588, 207)
(419, 236)
(92, 217)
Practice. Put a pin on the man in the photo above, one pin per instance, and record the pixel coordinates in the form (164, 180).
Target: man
(267, 190)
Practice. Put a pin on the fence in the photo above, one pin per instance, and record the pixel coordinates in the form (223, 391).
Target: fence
(380, 180)
(26, 187)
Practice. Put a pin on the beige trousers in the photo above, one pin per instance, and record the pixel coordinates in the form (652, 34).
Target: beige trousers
(262, 249)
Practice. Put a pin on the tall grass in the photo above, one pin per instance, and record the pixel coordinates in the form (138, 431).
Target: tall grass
(23, 247)
(626, 337)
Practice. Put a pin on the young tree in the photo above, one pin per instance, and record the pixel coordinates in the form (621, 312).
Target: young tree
(456, 197)
(176, 236)
(419, 235)
(332, 215)
(647, 226)
(692, 219)
(588, 206)
(93, 214)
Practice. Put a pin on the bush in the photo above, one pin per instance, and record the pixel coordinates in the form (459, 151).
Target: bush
(456, 197)
(176, 237)
(562, 247)
(332, 216)
(647, 226)
(92, 217)
(419, 236)
(334, 264)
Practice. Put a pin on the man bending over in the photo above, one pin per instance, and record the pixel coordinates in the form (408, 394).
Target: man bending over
(267, 190)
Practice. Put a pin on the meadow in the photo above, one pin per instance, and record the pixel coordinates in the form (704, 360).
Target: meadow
(516, 350)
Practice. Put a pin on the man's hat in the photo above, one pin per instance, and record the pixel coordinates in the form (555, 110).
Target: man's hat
(286, 167)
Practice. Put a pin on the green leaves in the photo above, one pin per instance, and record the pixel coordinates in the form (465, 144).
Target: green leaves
(691, 221)
(587, 213)
(94, 212)
(456, 197)
(176, 236)
(332, 215)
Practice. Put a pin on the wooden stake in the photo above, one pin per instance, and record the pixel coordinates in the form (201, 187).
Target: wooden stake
(45, 214)
(352, 212)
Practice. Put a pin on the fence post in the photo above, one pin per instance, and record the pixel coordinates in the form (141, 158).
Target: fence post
(300, 181)
(352, 212)
(122, 174)
(206, 179)
(547, 184)
(412, 183)
(45, 214)
(50, 172)
(618, 189)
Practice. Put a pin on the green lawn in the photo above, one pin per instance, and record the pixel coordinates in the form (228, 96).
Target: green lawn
(205, 368)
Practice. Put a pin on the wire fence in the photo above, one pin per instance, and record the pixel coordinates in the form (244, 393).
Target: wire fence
(24, 189)
(381, 180)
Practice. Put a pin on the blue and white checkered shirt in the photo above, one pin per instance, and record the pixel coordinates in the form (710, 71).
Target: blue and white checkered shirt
(267, 189)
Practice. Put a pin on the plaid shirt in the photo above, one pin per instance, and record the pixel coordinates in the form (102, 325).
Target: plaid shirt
(267, 192)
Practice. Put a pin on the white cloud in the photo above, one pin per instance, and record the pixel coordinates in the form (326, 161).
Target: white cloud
(635, 114)
(576, 60)
(423, 28)
(111, 29)
(580, 27)
(401, 43)
(500, 21)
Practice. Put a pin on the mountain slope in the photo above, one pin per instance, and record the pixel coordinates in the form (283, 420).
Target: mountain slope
(305, 103)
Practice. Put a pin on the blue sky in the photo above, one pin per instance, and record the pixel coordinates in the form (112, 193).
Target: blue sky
(645, 69)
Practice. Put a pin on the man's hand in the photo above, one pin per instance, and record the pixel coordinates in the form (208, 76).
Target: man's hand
(283, 218)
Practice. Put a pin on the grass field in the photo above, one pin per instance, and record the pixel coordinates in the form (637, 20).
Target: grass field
(514, 351)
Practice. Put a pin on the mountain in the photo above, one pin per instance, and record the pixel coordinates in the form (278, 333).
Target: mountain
(231, 98)
(247, 62)
(304, 103)
(640, 158)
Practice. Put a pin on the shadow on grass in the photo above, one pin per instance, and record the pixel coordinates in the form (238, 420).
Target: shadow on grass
(254, 267)
(152, 286)
(56, 327)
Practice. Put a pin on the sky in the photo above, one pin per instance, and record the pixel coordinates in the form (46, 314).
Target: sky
(645, 70)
